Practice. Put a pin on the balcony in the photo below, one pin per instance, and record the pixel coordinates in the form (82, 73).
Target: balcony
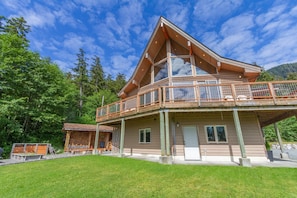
(207, 96)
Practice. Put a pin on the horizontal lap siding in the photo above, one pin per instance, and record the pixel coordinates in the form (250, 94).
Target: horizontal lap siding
(132, 136)
(254, 143)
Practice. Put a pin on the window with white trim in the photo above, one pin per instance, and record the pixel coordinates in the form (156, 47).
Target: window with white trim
(216, 133)
(145, 135)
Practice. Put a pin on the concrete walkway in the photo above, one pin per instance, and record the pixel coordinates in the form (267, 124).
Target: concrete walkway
(276, 163)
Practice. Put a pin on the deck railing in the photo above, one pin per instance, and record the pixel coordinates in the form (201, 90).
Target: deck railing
(203, 95)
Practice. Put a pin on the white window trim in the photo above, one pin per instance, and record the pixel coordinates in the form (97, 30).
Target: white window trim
(144, 130)
(216, 134)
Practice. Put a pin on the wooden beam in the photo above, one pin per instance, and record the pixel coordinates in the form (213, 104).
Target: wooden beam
(90, 138)
(134, 82)
(219, 66)
(190, 48)
(164, 31)
(67, 140)
(149, 58)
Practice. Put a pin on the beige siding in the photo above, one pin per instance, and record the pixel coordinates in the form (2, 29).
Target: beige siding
(254, 143)
(132, 136)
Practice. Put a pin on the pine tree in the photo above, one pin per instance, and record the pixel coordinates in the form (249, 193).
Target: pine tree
(81, 78)
(97, 75)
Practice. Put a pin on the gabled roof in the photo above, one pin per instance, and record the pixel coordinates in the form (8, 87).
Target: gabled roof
(166, 30)
(85, 127)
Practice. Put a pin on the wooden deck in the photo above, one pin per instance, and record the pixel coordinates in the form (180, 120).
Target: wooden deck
(202, 96)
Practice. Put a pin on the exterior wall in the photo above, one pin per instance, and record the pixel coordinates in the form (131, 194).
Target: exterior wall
(131, 143)
(254, 142)
(253, 139)
(80, 138)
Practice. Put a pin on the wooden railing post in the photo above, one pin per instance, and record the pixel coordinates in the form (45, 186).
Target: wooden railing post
(121, 107)
(233, 91)
(272, 92)
(160, 96)
(107, 110)
(137, 103)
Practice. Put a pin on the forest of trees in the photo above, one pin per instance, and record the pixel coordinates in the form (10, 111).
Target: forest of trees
(36, 97)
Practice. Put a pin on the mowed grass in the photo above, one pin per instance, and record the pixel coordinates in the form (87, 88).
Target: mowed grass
(102, 176)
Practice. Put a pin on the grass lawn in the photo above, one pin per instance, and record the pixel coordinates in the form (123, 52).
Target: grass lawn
(102, 176)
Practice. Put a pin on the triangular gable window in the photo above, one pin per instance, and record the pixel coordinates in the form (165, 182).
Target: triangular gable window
(202, 67)
(177, 49)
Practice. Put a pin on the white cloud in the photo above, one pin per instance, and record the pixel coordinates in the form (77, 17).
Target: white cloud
(178, 14)
(237, 24)
(209, 11)
(121, 64)
(273, 13)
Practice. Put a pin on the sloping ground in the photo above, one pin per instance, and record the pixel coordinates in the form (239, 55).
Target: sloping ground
(101, 176)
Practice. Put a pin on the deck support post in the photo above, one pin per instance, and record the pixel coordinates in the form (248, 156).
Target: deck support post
(165, 157)
(244, 161)
(162, 134)
(283, 155)
(167, 133)
(123, 127)
(95, 150)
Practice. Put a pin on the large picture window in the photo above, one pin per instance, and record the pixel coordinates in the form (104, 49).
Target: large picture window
(161, 71)
(181, 66)
(216, 134)
(145, 135)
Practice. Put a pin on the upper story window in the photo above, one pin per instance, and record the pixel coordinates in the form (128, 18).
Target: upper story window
(200, 71)
(161, 71)
(181, 66)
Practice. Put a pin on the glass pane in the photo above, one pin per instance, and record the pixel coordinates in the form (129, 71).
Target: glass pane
(181, 67)
(200, 71)
(221, 134)
(141, 136)
(156, 96)
(210, 134)
(141, 99)
(202, 90)
(177, 49)
(214, 91)
(161, 71)
(148, 98)
(148, 136)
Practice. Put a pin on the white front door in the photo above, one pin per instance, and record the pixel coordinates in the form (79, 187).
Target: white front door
(192, 151)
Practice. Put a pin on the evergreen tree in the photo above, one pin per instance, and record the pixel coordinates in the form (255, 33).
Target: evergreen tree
(97, 75)
(81, 78)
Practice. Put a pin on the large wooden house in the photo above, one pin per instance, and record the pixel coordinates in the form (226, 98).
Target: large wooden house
(186, 102)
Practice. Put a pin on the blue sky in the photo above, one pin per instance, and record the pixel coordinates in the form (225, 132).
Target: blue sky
(117, 31)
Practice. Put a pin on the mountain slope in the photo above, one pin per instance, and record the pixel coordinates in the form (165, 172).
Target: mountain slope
(283, 70)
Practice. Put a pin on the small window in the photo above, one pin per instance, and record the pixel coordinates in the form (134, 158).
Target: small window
(216, 134)
(145, 135)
